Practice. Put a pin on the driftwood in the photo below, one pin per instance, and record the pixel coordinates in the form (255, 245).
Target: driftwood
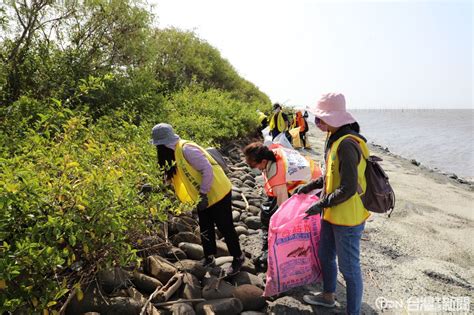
(165, 292)
(246, 202)
(170, 288)
(208, 310)
(69, 298)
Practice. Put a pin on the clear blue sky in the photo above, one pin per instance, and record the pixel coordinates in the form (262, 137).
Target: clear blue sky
(380, 54)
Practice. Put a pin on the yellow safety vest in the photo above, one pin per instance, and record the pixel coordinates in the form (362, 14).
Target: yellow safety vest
(352, 211)
(261, 117)
(187, 179)
(281, 124)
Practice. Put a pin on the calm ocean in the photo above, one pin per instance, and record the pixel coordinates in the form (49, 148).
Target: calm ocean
(441, 139)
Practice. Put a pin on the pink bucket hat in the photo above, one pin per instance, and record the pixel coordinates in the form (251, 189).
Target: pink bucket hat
(331, 108)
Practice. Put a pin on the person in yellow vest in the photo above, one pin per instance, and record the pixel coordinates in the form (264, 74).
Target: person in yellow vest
(278, 122)
(197, 178)
(300, 122)
(343, 214)
(262, 119)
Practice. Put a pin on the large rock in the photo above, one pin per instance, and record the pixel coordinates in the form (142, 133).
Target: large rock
(235, 216)
(247, 266)
(191, 288)
(126, 305)
(192, 266)
(242, 166)
(253, 222)
(144, 283)
(182, 309)
(159, 268)
(248, 177)
(193, 251)
(245, 277)
(236, 189)
(174, 254)
(237, 182)
(181, 224)
(92, 301)
(221, 249)
(188, 237)
(122, 305)
(244, 215)
(254, 210)
(216, 289)
(250, 296)
(249, 183)
(236, 195)
(241, 230)
(239, 204)
(237, 175)
(230, 306)
(256, 202)
(223, 259)
(113, 279)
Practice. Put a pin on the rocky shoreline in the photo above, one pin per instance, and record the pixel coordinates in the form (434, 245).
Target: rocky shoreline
(452, 176)
(172, 281)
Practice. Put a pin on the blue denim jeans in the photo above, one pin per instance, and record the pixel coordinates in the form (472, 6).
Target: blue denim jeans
(343, 242)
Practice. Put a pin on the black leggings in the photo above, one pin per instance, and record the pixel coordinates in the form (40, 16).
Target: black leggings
(219, 214)
(303, 138)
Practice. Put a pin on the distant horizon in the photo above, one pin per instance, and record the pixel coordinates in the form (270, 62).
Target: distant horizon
(389, 108)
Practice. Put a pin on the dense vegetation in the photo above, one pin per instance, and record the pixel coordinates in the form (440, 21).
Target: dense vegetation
(81, 85)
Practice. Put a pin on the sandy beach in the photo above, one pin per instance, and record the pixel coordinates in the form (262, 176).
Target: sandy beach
(422, 253)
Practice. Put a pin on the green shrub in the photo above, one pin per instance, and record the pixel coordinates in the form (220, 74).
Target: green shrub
(210, 116)
(72, 200)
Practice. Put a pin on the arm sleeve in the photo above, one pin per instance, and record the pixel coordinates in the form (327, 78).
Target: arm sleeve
(316, 184)
(199, 161)
(349, 156)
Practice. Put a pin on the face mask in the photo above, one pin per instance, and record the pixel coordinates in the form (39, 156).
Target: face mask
(323, 128)
(320, 125)
(276, 110)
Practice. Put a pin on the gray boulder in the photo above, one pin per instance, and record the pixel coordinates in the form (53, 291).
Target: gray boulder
(253, 222)
(229, 306)
(193, 251)
(250, 296)
(159, 268)
(192, 266)
(144, 283)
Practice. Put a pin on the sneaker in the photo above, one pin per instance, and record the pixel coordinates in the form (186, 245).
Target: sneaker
(208, 261)
(236, 265)
(318, 300)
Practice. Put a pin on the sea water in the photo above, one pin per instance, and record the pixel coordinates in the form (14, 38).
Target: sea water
(437, 138)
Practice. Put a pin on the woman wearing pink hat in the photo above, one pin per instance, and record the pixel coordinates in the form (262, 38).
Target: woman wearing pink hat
(343, 214)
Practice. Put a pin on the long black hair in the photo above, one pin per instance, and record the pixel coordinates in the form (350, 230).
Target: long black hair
(257, 152)
(166, 160)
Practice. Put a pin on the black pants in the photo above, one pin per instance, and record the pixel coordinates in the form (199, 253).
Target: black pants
(303, 138)
(219, 214)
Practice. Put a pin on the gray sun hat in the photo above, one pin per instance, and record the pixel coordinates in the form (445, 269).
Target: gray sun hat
(163, 134)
